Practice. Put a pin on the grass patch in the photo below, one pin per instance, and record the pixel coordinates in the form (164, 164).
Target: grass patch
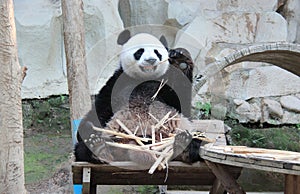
(44, 152)
(47, 138)
(281, 138)
(145, 189)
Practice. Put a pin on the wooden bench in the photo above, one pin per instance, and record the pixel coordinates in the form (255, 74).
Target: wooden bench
(126, 173)
(91, 175)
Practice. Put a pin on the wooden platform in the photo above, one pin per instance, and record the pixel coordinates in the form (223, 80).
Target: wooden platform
(256, 158)
(279, 161)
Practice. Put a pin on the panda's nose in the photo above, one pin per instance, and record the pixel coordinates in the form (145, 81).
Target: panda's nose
(150, 61)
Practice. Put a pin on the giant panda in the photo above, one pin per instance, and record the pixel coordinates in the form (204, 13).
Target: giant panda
(128, 95)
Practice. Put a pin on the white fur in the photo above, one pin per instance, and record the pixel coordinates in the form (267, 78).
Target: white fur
(149, 43)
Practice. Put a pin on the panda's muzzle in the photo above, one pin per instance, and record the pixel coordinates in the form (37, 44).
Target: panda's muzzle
(151, 61)
(149, 65)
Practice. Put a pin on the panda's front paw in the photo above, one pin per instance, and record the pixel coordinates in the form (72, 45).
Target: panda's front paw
(179, 54)
(97, 145)
(93, 141)
(180, 145)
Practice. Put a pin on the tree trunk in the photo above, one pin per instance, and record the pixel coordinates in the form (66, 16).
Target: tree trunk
(73, 28)
(11, 130)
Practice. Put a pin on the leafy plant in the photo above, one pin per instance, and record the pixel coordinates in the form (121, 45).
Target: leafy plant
(298, 126)
(203, 108)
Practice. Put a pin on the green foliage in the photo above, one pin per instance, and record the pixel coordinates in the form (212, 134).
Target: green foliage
(46, 114)
(284, 138)
(202, 110)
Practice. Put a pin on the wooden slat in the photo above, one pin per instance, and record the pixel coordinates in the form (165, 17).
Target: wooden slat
(261, 159)
(178, 174)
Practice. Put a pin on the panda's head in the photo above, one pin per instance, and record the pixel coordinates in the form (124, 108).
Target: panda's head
(143, 56)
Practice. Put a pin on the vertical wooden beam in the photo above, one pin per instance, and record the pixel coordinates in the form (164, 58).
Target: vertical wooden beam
(292, 184)
(228, 182)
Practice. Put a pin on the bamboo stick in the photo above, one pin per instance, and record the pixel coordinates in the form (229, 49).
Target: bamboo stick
(120, 134)
(129, 132)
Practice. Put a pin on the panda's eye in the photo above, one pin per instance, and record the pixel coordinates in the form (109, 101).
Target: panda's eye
(137, 55)
(157, 54)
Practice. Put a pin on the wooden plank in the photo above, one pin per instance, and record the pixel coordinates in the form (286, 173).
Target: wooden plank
(292, 184)
(178, 174)
(262, 159)
(209, 126)
(219, 137)
(86, 180)
(225, 177)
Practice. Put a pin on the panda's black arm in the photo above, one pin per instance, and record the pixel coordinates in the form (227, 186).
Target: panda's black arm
(103, 99)
(176, 93)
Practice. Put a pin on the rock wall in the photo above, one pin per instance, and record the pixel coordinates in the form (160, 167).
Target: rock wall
(249, 92)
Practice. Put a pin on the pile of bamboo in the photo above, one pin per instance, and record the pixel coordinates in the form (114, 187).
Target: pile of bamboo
(159, 149)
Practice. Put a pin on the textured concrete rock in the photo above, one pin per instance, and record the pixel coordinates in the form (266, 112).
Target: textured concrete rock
(247, 6)
(40, 47)
(261, 82)
(273, 109)
(247, 112)
(271, 27)
(141, 12)
(238, 102)
(291, 103)
(227, 27)
(292, 15)
(40, 43)
(183, 11)
(290, 118)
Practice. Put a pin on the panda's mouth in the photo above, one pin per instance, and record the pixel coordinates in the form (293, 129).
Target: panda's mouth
(148, 68)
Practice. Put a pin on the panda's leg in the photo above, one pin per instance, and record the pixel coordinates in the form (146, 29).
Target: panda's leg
(84, 154)
(84, 134)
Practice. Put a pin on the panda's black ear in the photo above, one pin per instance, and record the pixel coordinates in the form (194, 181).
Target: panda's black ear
(123, 37)
(163, 40)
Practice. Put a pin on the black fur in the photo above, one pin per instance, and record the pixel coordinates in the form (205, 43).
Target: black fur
(137, 55)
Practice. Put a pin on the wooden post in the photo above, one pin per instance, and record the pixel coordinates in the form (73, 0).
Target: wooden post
(86, 180)
(228, 182)
(11, 129)
(73, 30)
(292, 184)
(217, 188)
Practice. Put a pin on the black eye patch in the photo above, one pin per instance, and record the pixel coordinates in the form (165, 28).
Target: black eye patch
(137, 55)
(158, 54)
